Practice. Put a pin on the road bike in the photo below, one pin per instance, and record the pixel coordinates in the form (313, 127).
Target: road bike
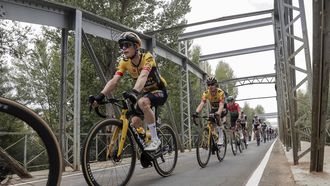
(44, 150)
(109, 152)
(235, 139)
(207, 141)
(242, 133)
(257, 134)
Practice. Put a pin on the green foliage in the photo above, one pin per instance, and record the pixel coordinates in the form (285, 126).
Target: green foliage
(224, 72)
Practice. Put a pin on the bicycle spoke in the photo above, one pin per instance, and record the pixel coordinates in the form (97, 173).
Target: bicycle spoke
(102, 168)
(202, 148)
(166, 162)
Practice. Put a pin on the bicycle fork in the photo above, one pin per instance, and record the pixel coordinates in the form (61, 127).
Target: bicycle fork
(115, 136)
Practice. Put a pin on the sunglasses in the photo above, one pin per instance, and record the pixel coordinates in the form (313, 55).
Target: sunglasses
(125, 44)
(211, 84)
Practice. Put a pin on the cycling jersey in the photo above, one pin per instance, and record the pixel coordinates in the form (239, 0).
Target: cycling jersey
(147, 62)
(214, 99)
(233, 108)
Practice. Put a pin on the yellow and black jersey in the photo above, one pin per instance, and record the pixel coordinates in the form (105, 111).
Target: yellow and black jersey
(147, 62)
(215, 99)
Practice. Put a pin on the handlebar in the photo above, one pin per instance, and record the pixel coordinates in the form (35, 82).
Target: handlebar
(121, 103)
(209, 117)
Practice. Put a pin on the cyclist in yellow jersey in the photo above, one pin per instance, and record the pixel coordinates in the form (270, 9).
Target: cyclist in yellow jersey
(142, 68)
(216, 97)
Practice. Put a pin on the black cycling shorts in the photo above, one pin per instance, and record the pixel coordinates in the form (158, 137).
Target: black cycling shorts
(157, 97)
(243, 125)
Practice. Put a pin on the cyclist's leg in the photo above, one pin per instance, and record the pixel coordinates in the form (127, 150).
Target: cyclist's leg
(136, 121)
(154, 98)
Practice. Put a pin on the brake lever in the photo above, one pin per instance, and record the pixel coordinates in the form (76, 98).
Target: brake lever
(91, 100)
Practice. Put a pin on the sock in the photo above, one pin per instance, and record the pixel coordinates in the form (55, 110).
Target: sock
(153, 132)
(220, 133)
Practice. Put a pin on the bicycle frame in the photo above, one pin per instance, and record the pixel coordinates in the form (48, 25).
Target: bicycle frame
(116, 133)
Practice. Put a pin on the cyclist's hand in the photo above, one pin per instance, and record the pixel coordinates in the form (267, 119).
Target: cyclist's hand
(195, 115)
(131, 95)
(96, 100)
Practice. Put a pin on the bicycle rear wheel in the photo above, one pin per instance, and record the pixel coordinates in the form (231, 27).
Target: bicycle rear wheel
(222, 149)
(168, 151)
(98, 167)
(203, 149)
(43, 153)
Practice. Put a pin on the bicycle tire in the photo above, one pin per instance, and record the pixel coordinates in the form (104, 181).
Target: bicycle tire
(114, 172)
(166, 163)
(245, 143)
(238, 142)
(233, 143)
(221, 152)
(202, 147)
(239, 145)
(44, 132)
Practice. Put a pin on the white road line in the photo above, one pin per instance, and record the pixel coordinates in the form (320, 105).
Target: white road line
(256, 176)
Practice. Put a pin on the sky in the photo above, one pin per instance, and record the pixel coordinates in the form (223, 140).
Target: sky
(243, 65)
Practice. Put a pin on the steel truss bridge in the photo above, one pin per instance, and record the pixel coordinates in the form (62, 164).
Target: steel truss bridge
(287, 45)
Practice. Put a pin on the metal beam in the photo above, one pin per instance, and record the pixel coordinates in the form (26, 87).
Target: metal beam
(259, 79)
(44, 13)
(321, 65)
(237, 52)
(227, 28)
(225, 18)
(61, 16)
(266, 97)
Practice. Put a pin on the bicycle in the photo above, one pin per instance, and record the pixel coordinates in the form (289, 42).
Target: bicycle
(245, 136)
(235, 140)
(207, 142)
(257, 134)
(242, 133)
(109, 151)
(12, 172)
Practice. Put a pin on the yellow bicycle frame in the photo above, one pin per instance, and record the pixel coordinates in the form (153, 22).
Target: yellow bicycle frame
(210, 133)
(116, 133)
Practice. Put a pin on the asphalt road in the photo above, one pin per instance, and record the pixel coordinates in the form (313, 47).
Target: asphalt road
(234, 170)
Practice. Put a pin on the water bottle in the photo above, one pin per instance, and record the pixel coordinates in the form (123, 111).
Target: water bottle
(141, 132)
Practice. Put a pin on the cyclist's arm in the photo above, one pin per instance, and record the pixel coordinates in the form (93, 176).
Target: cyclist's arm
(111, 84)
(200, 106)
(239, 111)
(141, 81)
(221, 104)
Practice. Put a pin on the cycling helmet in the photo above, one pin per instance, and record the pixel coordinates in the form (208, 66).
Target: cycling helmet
(211, 80)
(230, 98)
(130, 36)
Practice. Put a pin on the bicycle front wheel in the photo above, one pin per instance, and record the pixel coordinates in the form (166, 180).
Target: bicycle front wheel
(101, 167)
(203, 149)
(222, 149)
(168, 151)
(233, 143)
(39, 143)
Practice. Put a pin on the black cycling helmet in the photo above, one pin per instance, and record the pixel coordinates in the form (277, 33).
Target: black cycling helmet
(230, 98)
(211, 81)
(130, 36)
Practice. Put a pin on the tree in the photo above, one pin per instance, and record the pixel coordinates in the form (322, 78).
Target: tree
(224, 72)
